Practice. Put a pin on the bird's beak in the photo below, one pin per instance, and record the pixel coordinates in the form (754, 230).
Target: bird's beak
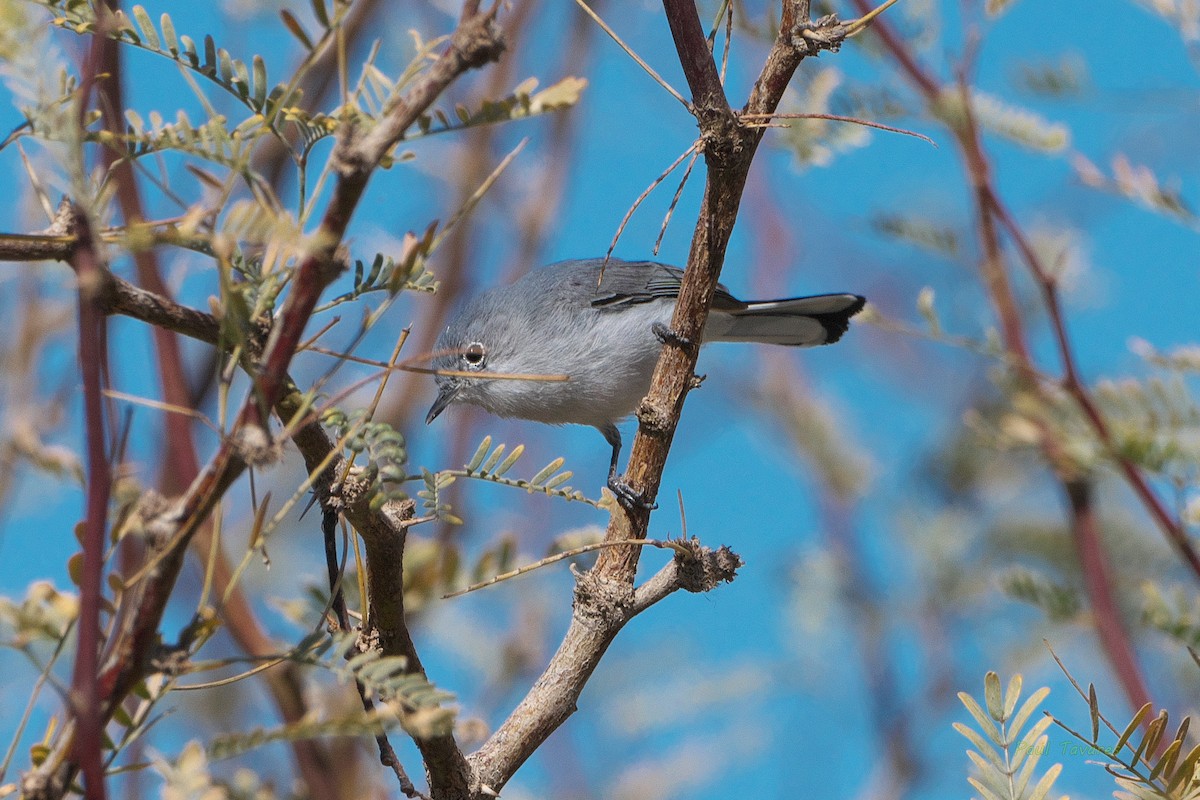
(446, 394)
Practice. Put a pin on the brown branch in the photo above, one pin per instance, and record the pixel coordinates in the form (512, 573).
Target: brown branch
(729, 147)
(602, 608)
(36, 247)
(605, 598)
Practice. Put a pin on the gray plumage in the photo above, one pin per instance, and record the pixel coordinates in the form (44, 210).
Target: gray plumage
(556, 320)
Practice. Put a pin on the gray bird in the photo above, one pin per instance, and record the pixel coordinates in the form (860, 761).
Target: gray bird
(605, 335)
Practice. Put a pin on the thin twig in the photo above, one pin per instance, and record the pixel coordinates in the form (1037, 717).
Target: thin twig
(674, 202)
(840, 118)
(641, 197)
(407, 366)
(629, 51)
(857, 26)
(554, 559)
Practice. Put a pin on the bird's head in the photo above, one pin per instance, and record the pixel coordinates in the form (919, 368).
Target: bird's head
(477, 343)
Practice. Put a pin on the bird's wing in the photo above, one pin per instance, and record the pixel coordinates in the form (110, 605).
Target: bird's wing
(628, 283)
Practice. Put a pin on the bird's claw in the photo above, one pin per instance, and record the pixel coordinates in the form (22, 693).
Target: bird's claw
(627, 496)
(668, 336)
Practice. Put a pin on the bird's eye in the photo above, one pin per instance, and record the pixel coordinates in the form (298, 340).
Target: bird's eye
(474, 354)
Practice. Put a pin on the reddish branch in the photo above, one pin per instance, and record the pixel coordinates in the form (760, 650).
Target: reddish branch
(475, 42)
(990, 216)
(93, 359)
(181, 464)
(1170, 526)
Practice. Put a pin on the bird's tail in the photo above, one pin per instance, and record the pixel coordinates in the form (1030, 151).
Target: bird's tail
(798, 322)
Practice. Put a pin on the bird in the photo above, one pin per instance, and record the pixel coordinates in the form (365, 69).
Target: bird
(602, 325)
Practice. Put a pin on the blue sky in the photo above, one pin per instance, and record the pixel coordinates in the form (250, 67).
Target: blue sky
(797, 723)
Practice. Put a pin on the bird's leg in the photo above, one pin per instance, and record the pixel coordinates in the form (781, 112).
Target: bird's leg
(626, 495)
(668, 336)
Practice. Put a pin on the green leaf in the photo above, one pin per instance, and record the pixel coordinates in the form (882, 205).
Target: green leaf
(293, 25)
(1031, 756)
(981, 717)
(1022, 716)
(1150, 742)
(1163, 767)
(168, 30)
(992, 697)
(1133, 725)
(1094, 709)
(558, 480)
(981, 744)
(987, 793)
(260, 82)
(507, 463)
(480, 452)
(494, 458)
(210, 56)
(988, 775)
(189, 50)
(318, 7)
(548, 470)
(1012, 695)
(1043, 786)
(225, 66)
(1185, 769)
(147, 27)
(1029, 742)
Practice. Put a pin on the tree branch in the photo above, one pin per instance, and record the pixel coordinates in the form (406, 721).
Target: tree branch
(604, 596)
(729, 149)
(475, 42)
(93, 362)
(1093, 561)
(602, 607)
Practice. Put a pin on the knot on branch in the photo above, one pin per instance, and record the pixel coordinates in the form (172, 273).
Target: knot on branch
(333, 264)
(38, 785)
(603, 601)
(170, 660)
(827, 33)
(254, 445)
(702, 569)
(348, 159)
(654, 419)
(348, 493)
(479, 40)
(722, 136)
(149, 510)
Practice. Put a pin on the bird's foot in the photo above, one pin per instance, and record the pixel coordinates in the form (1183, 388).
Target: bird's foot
(668, 336)
(627, 496)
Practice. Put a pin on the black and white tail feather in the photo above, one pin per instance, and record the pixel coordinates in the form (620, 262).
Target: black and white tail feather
(795, 322)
